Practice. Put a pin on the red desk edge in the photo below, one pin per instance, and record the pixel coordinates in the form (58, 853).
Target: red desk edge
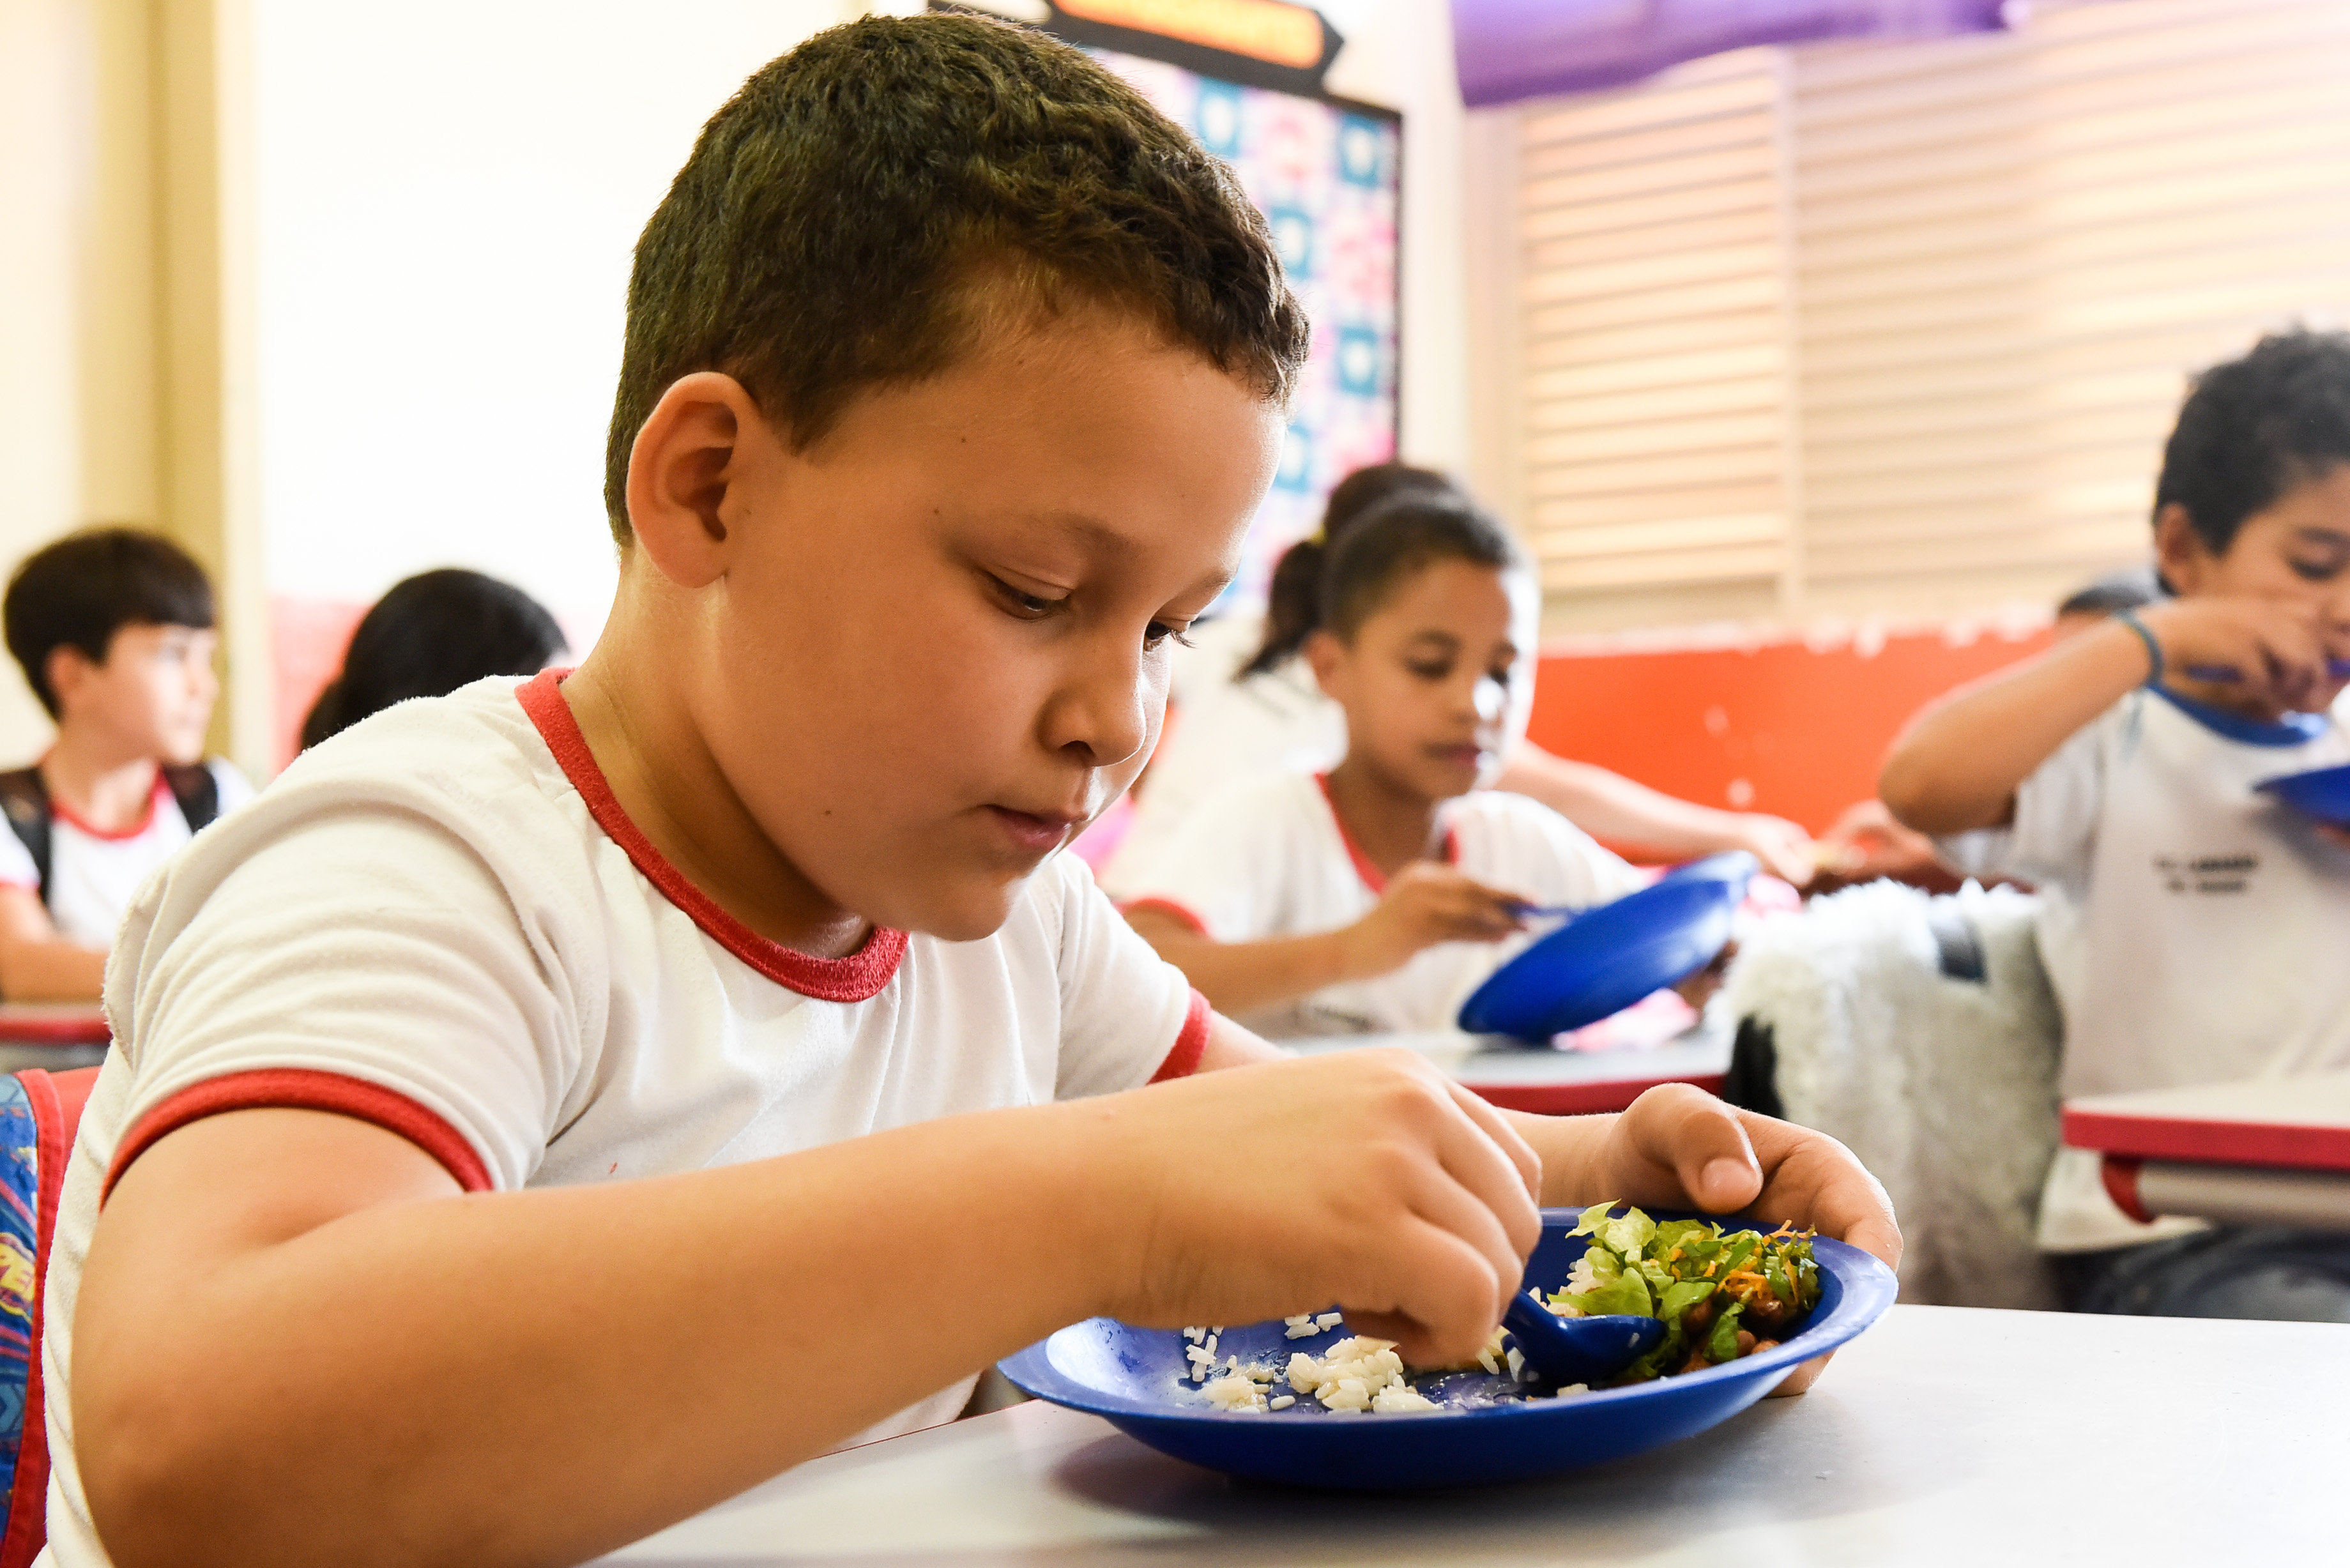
(1581, 1099)
(2281, 1145)
(63, 1029)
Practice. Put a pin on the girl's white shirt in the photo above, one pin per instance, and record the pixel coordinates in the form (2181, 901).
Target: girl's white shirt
(1269, 858)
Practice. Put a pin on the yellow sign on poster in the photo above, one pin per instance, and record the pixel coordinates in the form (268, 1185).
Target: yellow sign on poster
(1270, 30)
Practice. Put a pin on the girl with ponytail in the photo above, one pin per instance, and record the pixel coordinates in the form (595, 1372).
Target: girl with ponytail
(1245, 707)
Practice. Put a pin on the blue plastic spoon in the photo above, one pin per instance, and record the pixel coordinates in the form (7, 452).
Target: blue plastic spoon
(1568, 1350)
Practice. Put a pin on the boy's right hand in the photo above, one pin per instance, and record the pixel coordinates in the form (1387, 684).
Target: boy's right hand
(1426, 904)
(1365, 1178)
(2279, 649)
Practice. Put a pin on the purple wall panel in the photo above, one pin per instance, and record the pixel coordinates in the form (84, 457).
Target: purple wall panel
(1513, 50)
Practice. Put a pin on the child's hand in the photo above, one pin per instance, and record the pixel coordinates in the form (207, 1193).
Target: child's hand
(1424, 905)
(1365, 1178)
(1680, 1148)
(2278, 650)
(1698, 986)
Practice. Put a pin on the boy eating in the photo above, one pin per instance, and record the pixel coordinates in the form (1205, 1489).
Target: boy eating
(2191, 926)
(714, 1038)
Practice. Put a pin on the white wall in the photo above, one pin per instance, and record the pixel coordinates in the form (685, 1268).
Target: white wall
(446, 194)
(45, 171)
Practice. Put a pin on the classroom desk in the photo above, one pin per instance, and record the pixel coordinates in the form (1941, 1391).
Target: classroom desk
(1945, 1436)
(1554, 1083)
(52, 1034)
(2272, 1151)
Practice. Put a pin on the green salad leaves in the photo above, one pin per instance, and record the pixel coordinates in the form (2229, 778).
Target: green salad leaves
(1722, 1293)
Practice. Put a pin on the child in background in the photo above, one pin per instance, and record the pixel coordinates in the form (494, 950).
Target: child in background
(1379, 895)
(789, 1075)
(1244, 706)
(2192, 927)
(1867, 844)
(113, 629)
(430, 635)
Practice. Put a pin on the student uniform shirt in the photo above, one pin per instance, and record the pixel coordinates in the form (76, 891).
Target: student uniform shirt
(441, 921)
(1271, 859)
(93, 873)
(2192, 927)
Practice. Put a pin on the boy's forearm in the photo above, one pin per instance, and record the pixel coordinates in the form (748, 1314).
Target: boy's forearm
(727, 1323)
(1958, 765)
(1242, 977)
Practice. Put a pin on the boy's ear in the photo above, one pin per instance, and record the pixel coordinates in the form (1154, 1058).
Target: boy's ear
(1325, 655)
(2179, 550)
(67, 669)
(689, 460)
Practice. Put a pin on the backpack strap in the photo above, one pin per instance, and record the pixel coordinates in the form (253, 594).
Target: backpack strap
(24, 801)
(198, 793)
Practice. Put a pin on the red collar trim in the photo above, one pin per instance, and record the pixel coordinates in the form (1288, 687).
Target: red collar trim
(1373, 877)
(83, 826)
(859, 977)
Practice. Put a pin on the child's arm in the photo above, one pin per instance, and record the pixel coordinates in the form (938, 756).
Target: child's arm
(36, 964)
(1609, 805)
(1424, 904)
(1958, 765)
(295, 1342)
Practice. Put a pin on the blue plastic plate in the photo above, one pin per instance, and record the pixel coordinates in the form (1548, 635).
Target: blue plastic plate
(2321, 792)
(1608, 958)
(1133, 1378)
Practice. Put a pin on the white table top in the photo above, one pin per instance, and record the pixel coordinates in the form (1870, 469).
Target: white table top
(1944, 1436)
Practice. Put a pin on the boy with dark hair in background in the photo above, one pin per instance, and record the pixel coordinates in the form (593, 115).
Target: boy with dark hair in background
(2192, 927)
(113, 629)
(529, 1117)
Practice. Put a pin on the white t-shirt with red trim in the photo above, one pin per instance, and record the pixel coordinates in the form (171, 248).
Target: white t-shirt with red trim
(441, 921)
(1271, 858)
(93, 873)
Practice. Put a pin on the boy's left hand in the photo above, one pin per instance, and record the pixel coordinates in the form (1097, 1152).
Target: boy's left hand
(1677, 1147)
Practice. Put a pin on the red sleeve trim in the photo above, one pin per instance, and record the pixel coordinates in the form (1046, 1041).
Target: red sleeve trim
(1190, 1042)
(303, 1089)
(2121, 1186)
(859, 977)
(1169, 908)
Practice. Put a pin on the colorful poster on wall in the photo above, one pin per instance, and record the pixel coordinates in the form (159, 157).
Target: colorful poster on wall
(1326, 174)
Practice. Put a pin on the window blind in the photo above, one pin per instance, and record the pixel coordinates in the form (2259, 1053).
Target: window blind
(1846, 330)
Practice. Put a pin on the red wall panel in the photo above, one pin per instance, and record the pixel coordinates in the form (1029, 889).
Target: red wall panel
(1784, 728)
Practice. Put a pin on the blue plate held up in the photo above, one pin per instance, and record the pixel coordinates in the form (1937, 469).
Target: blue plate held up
(1608, 958)
(2321, 792)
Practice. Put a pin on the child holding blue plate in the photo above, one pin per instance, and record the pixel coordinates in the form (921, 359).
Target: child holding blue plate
(1379, 895)
(2191, 926)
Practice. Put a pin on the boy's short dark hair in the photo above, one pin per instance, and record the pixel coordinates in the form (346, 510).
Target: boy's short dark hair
(839, 215)
(1403, 535)
(2127, 590)
(81, 590)
(2253, 428)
